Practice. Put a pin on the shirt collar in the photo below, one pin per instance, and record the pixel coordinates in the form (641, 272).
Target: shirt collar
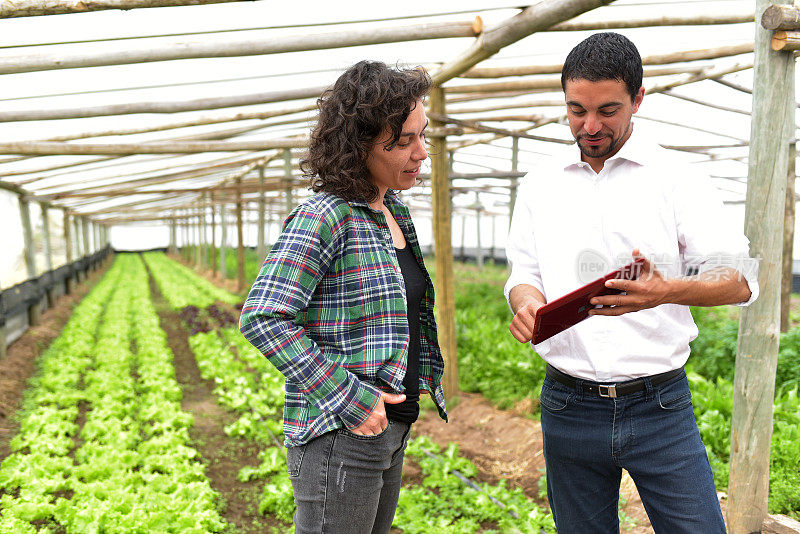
(639, 149)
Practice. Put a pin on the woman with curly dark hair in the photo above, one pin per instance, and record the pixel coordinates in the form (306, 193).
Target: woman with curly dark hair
(343, 305)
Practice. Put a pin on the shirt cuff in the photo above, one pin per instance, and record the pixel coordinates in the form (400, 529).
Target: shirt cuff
(362, 403)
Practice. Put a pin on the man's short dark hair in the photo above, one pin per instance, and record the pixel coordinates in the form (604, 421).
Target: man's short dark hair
(604, 56)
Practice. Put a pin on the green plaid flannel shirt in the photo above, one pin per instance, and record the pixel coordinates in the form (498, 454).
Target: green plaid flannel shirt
(328, 309)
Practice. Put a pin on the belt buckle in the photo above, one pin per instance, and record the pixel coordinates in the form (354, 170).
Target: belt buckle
(610, 391)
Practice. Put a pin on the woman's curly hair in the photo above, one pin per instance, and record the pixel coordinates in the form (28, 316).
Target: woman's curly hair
(365, 100)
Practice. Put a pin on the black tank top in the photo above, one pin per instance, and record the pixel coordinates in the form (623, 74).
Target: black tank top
(408, 410)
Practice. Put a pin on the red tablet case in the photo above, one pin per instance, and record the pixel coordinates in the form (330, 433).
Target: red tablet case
(572, 308)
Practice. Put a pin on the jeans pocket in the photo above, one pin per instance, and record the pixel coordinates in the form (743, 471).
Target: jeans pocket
(554, 399)
(350, 434)
(674, 396)
(294, 459)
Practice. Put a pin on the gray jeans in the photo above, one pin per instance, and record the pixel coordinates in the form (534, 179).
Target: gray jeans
(345, 483)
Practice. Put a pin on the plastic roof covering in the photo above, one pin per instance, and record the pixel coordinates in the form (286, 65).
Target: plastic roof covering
(187, 79)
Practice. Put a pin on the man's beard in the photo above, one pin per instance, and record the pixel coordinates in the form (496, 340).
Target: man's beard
(599, 152)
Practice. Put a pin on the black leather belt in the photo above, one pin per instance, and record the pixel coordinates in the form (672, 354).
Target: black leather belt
(612, 390)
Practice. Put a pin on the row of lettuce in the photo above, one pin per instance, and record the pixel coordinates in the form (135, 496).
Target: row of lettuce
(103, 443)
(248, 384)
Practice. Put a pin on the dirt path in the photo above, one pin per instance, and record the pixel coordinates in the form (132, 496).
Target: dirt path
(20, 362)
(507, 446)
(223, 456)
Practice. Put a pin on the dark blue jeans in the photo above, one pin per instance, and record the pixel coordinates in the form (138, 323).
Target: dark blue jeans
(346, 483)
(588, 440)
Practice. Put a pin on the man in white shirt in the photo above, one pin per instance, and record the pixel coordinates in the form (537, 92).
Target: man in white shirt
(616, 395)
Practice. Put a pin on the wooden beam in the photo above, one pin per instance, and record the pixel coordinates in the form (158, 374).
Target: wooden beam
(786, 41)
(535, 18)
(158, 147)
(442, 239)
(38, 114)
(240, 284)
(34, 310)
(788, 239)
(213, 237)
(260, 244)
(48, 248)
(772, 126)
(199, 121)
(35, 8)
(781, 17)
(144, 52)
(483, 128)
(659, 59)
(647, 22)
(70, 256)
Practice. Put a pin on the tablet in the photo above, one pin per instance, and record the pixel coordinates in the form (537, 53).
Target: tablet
(572, 308)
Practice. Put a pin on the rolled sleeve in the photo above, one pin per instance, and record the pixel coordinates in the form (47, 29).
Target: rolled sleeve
(708, 236)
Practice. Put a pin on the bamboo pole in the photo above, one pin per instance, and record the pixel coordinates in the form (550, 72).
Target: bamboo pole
(35, 310)
(788, 239)
(260, 249)
(772, 126)
(538, 17)
(659, 59)
(647, 22)
(781, 17)
(161, 106)
(134, 53)
(786, 41)
(240, 285)
(462, 252)
(166, 147)
(442, 238)
(34, 8)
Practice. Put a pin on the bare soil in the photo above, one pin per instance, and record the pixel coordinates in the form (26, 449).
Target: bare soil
(19, 365)
(224, 456)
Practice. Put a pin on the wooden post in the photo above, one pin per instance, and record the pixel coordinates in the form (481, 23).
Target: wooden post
(85, 228)
(223, 244)
(287, 171)
(261, 239)
(240, 284)
(771, 128)
(442, 238)
(512, 188)
(76, 225)
(478, 247)
(463, 254)
(48, 250)
(213, 259)
(173, 236)
(788, 240)
(69, 248)
(35, 311)
(494, 232)
(198, 253)
(203, 236)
